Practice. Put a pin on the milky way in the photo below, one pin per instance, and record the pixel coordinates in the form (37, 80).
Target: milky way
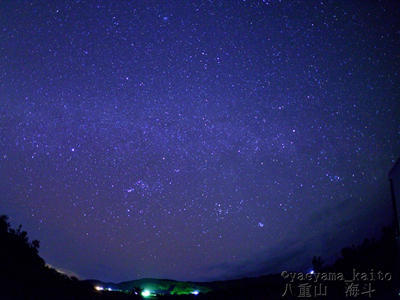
(197, 140)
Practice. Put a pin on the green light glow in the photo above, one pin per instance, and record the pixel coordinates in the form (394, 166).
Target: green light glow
(146, 293)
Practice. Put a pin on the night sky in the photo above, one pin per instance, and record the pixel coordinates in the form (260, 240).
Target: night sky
(197, 140)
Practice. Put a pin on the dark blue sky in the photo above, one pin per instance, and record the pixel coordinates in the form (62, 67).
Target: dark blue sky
(197, 140)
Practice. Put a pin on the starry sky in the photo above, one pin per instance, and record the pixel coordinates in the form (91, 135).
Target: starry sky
(197, 140)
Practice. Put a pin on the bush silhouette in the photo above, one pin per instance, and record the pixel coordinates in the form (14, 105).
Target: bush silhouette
(24, 274)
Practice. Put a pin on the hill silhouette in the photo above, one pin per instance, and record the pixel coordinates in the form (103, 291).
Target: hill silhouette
(24, 275)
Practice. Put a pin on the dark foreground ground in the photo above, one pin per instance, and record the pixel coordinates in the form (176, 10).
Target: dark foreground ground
(368, 271)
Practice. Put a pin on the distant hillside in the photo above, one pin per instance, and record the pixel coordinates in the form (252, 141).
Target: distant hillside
(157, 286)
(24, 275)
(173, 287)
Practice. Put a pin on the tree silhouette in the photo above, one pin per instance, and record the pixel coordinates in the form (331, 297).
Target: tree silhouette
(24, 275)
(317, 263)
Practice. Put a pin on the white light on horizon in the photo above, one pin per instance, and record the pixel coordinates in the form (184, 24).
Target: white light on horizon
(146, 293)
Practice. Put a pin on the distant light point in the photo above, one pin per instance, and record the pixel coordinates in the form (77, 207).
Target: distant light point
(146, 293)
